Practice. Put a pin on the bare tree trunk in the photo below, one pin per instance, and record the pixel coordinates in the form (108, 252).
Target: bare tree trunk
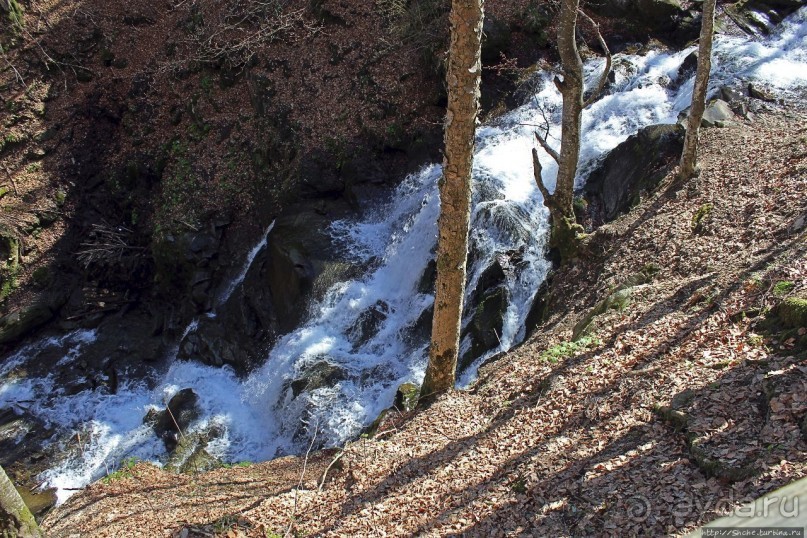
(572, 90)
(463, 77)
(566, 234)
(689, 156)
(16, 519)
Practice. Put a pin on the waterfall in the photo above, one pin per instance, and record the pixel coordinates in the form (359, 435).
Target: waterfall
(263, 415)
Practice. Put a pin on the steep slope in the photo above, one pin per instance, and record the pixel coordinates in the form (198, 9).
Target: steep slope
(680, 401)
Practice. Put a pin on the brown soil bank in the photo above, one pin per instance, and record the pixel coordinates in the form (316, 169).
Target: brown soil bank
(684, 399)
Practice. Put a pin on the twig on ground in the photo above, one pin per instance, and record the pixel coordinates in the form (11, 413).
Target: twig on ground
(293, 514)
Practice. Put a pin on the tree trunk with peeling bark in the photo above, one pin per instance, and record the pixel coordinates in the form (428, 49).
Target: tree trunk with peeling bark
(16, 519)
(566, 234)
(463, 78)
(689, 156)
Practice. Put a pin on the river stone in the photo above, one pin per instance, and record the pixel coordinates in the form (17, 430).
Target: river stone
(717, 111)
(732, 95)
(322, 373)
(688, 66)
(369, 323)
(486, 325)
(760, 16)
(184, 409)
(759, 93)
(634, 166)
(191, 455)
(19, 323)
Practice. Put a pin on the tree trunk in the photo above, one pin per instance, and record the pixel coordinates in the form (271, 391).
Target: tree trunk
(463, 77)
(16, 519)
(566, 234)
(572, 90)
(689, 156)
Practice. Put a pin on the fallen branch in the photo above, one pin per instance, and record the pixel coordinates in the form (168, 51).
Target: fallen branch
(330, 465)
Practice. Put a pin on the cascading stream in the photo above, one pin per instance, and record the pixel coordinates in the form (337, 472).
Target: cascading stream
(261, 415)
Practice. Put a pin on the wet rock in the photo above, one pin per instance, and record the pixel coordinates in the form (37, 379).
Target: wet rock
(428, 278)
(211, 344)
(539, 309)
(633, 167)
(191, 455)
(369, 323)
(172, 423)
(732, 95)
(760, 16)
(486, 325)
(322, 373)
(759, 93)
(659, 15)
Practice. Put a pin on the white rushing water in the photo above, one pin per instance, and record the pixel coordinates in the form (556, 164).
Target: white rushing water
(260, 415)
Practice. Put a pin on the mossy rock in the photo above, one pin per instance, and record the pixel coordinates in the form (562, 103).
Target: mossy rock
(191, 455)
(793, 312)
(372, 429)
(406, 397)
(21, 322)
(676, 418)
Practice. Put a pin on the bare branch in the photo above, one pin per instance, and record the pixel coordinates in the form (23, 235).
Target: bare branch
(293, 514)
(604, 77)
(547, 147)
(333, 462)
(536, 170)
(16, 73)
(106, 244)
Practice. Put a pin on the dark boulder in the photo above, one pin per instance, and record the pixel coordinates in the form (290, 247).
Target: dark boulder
(172, 423)
(495, 40)
(21, 322)
(322, 373)
(760, 16)
(633, 167)
(660, 16)
(369, 323)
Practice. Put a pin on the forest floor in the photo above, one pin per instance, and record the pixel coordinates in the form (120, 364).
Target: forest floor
(682, 402)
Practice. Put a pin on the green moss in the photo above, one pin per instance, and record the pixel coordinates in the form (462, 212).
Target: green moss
(568, 349)
(41, 276)
(793, 312)
(406, 398)
(125, 471)
(567, 237)
(16, 15)
(701, 218)
(783, 287)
